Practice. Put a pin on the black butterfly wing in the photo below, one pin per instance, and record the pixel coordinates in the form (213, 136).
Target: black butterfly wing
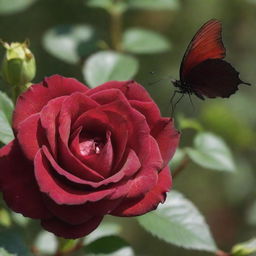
(213, 78)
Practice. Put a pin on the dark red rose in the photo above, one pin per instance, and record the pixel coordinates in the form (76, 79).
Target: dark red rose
(81, 153)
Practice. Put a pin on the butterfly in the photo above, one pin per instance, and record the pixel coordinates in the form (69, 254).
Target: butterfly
(203, 71)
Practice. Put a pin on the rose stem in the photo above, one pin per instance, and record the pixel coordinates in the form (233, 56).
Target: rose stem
(116, 28)
(182, 166)
(78, 246)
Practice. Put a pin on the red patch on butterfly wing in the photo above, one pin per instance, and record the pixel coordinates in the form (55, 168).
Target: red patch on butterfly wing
(206, 44)
(214, 78)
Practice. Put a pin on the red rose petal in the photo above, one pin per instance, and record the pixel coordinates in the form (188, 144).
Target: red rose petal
(99, 161)
(131, 90)
(139, 206)
(68, 231)
(18, 184)
(167, 138)
(147, 177)
(149, 110)
(96, 119)
(30, 136)
(78, 214)
(49, 121)
(38, 95)
(130, 167)
(60, 192)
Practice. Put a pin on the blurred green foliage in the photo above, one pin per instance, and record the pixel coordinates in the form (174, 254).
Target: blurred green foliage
(73, 38)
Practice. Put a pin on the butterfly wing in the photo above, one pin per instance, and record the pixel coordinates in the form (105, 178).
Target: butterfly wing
(206, 44)
(213, 78)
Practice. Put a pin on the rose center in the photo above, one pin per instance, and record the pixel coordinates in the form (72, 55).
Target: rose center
(90, 146)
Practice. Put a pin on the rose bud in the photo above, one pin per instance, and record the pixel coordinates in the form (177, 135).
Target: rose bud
(18, 66)
(81, 153)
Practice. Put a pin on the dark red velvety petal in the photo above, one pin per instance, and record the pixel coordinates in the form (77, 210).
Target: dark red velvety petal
(101, 161)
(30, 134)
(38, 95)
(147, 177)
(131, 90)
(167, 138)
(60, 192)
(68, 231)
(96, 119)
(139, 206)
(149, 110)
(18, 184)
(130, 167)
(49, 121)
(78, 214)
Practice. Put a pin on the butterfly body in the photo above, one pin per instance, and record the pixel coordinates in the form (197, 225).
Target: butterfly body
(203, 71)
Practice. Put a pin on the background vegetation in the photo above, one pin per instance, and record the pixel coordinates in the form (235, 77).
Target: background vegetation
(224, 190)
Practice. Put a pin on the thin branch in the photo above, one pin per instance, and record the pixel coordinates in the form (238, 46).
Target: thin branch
(184, 163)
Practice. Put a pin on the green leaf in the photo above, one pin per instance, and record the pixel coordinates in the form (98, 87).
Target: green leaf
(153, 4)
(6, 109)
(5, 219)
(106, 4)
(105, 229)
(136, 40)
(109, 246)
(244, 249)
(3, 252)
(66, 245)
(109, 5)
(70, 43)
(46, 242)
(177, 158)
(13, 6)
(12, 240)
(178, 222)
(6, 106)
(20, 219)
(108, 65)
(210, 151)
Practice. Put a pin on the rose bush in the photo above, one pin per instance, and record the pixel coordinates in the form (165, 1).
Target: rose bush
(81, 153)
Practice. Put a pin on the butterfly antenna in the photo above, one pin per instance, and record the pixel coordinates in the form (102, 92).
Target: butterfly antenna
(193, 106)
(174, 105)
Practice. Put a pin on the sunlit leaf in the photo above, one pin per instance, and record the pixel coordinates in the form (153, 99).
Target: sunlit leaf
(105, 229)
(109, 5)
(3, 252)
(136, 40)
(70, 42)
(244, 249)
(13, 6)
(66, 245)
(178, 222)
(20, 219)
(13, 241)
(210, 151)
(99, 3)
(46, 242)
(6, 108)
(107, 65)
(5, 219)
(153, 4)
(109, 246)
